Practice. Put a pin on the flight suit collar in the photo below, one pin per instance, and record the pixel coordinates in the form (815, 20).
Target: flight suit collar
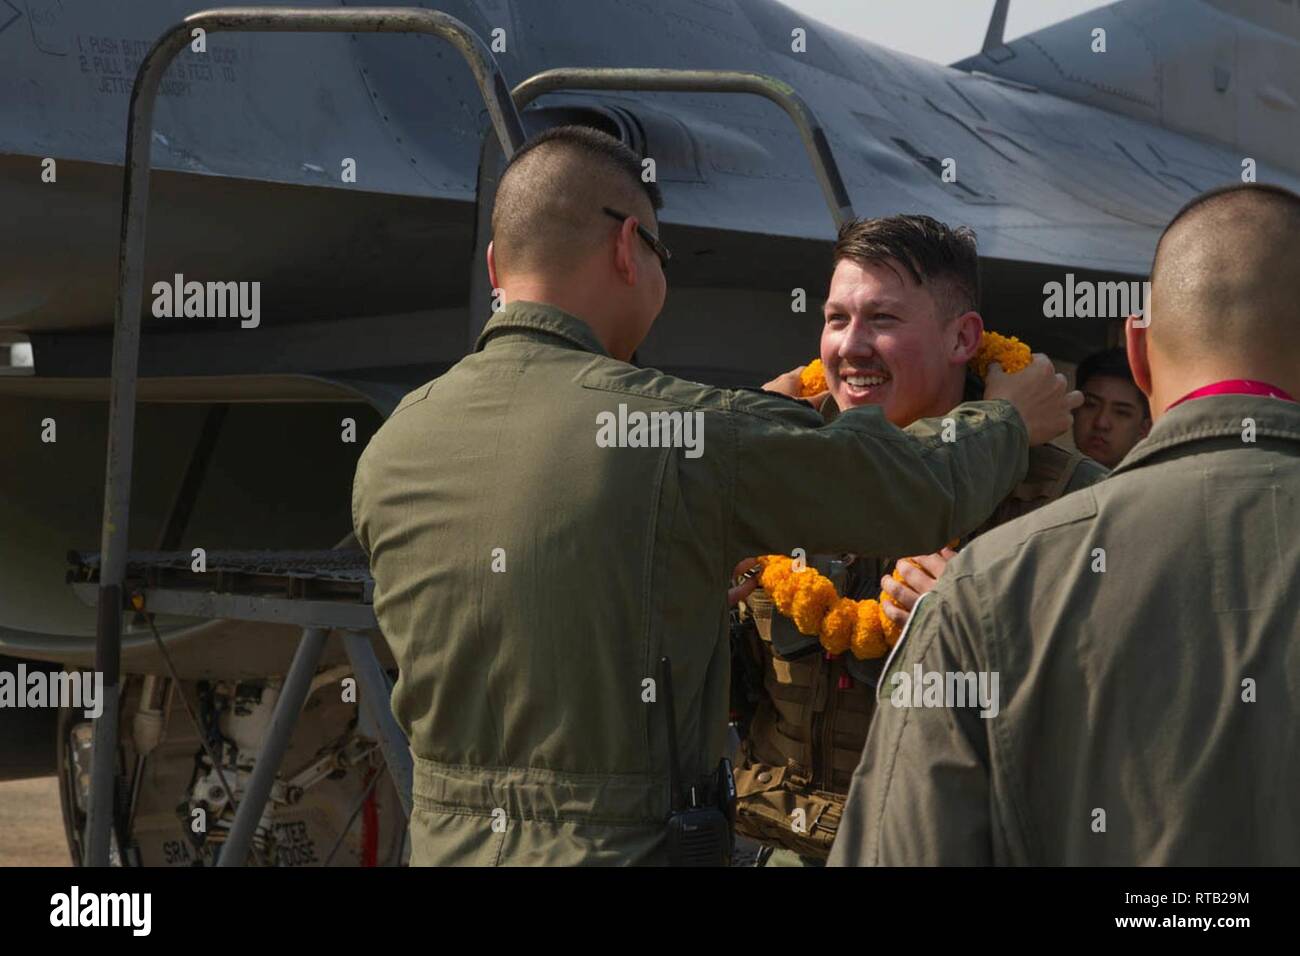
(1215, 416)
(540, 317)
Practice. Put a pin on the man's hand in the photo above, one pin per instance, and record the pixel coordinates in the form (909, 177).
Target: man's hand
(919, 575)
(741, 591)
(789, 384)
(1040, 396)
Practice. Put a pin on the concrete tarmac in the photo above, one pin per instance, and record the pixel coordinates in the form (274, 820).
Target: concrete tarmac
(31, 824)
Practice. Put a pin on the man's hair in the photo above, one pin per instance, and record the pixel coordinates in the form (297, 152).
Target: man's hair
(548, 210)
(930, 251)
(1224, 278)
(1223, 194)
(1112, 363)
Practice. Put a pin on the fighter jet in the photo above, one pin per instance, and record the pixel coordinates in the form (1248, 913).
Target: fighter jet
(332, 189)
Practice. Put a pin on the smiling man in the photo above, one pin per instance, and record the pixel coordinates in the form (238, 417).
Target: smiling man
(1114, 416)
(1148, 699)
(901, 319)
(901, 323)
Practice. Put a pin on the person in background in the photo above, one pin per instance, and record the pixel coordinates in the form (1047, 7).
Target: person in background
(1114, 416)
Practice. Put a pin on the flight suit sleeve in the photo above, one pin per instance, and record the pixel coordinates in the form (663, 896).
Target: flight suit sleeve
(1087, 472)
(358, 487)
(861, 485)
(920, 795)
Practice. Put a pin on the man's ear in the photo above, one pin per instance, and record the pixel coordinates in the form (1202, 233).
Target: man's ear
(492, 267)
(624, 254)
(1139, 363)
(969, 328)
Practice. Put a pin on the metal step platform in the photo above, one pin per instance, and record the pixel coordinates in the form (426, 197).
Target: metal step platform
(330, 588)
(319, 591)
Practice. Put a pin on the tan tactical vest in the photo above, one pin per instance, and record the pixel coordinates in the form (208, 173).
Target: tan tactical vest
(807, 734)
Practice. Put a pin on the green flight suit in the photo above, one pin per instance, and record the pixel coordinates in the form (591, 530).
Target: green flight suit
(811, 717)
(529, 580)
(1146, 713)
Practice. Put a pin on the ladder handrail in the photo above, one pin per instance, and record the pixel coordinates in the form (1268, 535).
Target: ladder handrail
(130, 294)
(708, 81)
(651, 80)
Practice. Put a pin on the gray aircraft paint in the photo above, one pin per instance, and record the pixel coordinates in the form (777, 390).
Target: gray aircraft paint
(1065, 163)
(1042, 178)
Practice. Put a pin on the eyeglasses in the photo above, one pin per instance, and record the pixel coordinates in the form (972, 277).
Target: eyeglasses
(650, 238)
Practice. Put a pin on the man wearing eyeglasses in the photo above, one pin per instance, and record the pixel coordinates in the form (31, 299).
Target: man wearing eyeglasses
(547, 523)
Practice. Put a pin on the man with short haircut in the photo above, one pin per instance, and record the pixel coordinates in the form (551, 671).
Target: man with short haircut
(901, 324)
(531, 579)
(1114, 416)
(1143, 632)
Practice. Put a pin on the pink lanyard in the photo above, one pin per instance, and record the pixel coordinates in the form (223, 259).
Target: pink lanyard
(1236, 386)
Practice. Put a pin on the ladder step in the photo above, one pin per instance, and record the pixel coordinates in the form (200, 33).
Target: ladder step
(335, 574)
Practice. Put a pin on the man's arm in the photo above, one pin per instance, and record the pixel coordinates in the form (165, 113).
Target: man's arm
(920, 795)
(1087, 472)
(358, 479)
(859, 484)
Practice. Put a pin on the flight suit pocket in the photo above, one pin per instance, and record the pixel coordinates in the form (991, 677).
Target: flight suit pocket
(441, 837)
(1248, 512)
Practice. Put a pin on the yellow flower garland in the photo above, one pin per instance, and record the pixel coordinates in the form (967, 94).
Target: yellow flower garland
(808, 597)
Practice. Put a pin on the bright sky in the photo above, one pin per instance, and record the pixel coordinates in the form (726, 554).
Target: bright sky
(939, 30)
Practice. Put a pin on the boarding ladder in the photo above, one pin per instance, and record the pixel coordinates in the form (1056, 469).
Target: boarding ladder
(318, 591)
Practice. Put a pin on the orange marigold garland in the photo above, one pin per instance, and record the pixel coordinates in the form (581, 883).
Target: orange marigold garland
(1007, 350)
(812, 380)
(808, 597)
(842, 624)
